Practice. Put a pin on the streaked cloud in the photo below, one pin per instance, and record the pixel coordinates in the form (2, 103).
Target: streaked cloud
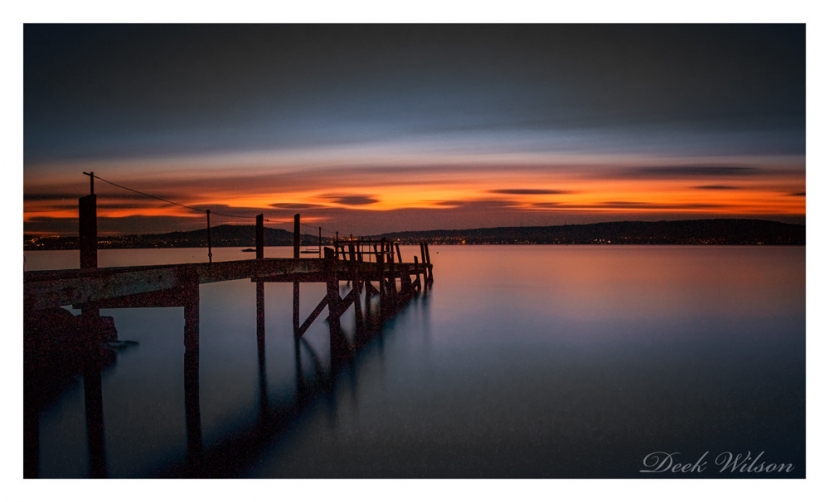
(528, 191)
(296, 205)
(686, 172)
(353, 200)
(716, 187)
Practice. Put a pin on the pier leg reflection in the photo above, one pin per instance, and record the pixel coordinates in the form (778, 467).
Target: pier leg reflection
(192, 409)
(93, 394)
(94, 408)
(31, 436)
(260, 347)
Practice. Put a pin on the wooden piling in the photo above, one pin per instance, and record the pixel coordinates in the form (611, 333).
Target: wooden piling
(88, 231)
(332, 286)
(418, 284)
(190, 294)
(209, 241)
(296, 236)
(391, 276)
(296, 284)
(381, 262)
(260, 236)
(428, 263)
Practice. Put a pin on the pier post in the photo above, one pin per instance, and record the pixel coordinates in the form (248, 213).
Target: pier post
(209, 241)
(417, 275)
(332, 289)
(296, 236)
(392, 274)
(356, 284)
(88, 231)
(339, 350)
(428, 263)
(190, 295)
(381, 269)
(296, 284)
(260, 236)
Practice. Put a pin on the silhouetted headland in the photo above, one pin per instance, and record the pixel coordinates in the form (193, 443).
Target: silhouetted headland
(720, 232)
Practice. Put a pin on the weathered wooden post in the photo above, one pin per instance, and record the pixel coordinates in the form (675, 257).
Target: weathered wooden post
(381, 272)
(260, 236)
(338, 345)
(428, 263)
(356, 285)
(392, 273)
(332, 288)
(190, 294)
(209, 241)
(297, 238)
(418, 284)
(319, 242)
(296, 283)
(93, 395)
(88, 226)
(189, 287)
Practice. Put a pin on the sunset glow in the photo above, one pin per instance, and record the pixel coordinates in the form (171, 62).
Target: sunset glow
(428, 128)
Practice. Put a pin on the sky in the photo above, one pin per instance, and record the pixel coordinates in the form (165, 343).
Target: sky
(365, 129)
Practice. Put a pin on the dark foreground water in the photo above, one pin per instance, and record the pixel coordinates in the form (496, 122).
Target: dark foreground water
(522, 361)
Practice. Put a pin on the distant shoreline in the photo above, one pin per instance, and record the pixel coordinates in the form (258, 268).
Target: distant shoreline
(715, 232)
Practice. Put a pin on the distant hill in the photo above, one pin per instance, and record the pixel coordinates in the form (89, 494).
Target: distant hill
(686, 232)
(220, 236)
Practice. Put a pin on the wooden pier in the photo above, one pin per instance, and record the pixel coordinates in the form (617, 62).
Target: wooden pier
(177, 285)
(371, 268)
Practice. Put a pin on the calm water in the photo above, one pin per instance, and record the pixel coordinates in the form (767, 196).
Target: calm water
(522, 361)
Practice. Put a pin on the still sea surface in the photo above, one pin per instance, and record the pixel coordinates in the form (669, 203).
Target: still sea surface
(521, 361)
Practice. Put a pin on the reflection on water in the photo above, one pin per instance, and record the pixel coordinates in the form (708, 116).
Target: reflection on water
(536, 361)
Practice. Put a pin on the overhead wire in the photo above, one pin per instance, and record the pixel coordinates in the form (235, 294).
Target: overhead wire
(210, 211)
